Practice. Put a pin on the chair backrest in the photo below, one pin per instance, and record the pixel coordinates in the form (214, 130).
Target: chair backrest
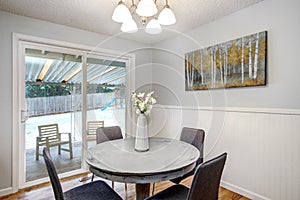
(196, 138)
(56, 186)
(207, 179)
(108, 133)
(50, 131)
(93, 125)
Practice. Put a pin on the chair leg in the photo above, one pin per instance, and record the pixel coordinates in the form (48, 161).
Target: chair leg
(113, 184)
(70, 147)
(59, 149)
(126, 188)
(93, 176)
(153, 187)
(37, 153)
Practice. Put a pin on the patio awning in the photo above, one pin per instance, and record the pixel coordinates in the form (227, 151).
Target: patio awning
(63, 68)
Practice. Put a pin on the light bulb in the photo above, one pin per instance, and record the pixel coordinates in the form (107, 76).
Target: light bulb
(121, 13)
(129, 26)
(166, 16)
(153, 27)
(146, 8)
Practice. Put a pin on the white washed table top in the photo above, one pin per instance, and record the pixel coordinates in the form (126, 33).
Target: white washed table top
(166, 158)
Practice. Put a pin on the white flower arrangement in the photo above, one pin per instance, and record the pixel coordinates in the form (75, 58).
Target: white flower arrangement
(143, 103)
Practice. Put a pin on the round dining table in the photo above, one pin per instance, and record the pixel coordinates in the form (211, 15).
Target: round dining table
(117, 160)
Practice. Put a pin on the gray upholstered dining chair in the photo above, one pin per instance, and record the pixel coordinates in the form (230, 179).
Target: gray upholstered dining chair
(104, 134)
(97, 190)
(205, 184)
(194, 137)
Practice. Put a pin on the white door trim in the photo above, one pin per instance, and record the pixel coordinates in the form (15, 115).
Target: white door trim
(20, 39)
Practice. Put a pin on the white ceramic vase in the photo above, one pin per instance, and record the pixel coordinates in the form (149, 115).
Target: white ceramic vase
(141, 138)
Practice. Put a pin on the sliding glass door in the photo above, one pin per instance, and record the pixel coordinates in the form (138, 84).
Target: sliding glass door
(64, 96)
(52, 114)
(105, 88)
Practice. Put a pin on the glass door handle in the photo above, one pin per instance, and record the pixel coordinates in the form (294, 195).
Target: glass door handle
(24, 116)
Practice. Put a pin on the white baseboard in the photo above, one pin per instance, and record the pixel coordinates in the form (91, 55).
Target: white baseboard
(6, 191)
(242, 191)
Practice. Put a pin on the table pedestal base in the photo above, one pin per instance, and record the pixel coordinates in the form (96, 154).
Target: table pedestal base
(142, 191)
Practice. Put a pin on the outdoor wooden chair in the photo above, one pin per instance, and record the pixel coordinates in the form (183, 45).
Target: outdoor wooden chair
(91, 129)
(49, 136)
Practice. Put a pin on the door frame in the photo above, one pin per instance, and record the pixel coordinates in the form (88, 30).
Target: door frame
(19, 40)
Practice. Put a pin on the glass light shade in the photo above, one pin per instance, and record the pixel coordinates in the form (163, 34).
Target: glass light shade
(153, 27)
(129, 26)
(166, 16)
(121, 13)
(146, 8)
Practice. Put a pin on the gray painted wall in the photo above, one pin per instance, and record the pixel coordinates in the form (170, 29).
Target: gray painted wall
(279, 18)
(10, 23)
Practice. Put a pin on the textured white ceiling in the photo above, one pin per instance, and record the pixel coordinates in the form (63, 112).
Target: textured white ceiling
(95, 15)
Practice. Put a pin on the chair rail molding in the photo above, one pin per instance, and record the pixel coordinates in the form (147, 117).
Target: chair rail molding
(279, 111)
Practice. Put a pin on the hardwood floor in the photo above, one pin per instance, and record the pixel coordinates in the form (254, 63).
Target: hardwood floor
(44, 191)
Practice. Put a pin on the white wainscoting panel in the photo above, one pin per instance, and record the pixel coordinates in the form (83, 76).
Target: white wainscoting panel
(262, 145)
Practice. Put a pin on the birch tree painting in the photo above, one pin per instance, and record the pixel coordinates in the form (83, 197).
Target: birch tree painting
(236, 63)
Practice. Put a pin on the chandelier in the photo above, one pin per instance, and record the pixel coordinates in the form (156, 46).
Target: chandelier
(146, 10)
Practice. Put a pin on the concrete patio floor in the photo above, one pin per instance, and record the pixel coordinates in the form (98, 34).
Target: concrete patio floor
(36, 169)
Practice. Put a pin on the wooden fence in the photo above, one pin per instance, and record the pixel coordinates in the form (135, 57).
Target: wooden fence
(63, 104)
